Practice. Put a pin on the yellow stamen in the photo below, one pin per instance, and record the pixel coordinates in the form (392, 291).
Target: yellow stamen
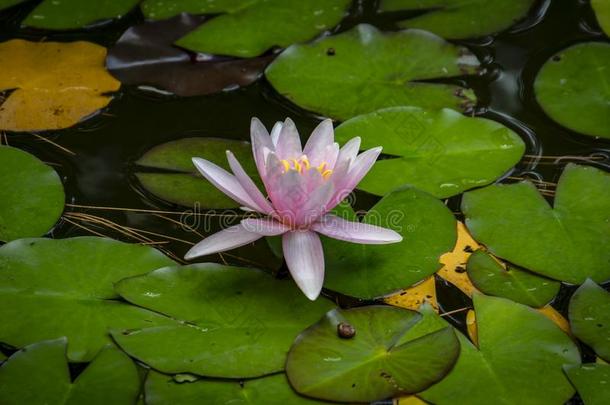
(305, 162)
(286, 165)
(326, 174)
(297, 166)
(322, 167)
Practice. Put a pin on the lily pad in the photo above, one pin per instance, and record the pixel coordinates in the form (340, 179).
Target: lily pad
(72, 14)
(456, 19)
(493, 278)
(441, 152)
(571, 239)
(379, 361)
(249, 28)
(162, 389)
(363, 70)
(145, 55)
(52, 288)
(230, 322)
(589, 314)
(602, 12)
(519, 351)
(56, 84)
(367, 271)
(591, 382)
(4, 4)
(171, 175)
(32, 197)
(39, 374)
(572, 88)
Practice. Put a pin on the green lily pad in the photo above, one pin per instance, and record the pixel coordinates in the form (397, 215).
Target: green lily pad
(573, 88)
(52, 288)
(441, 152)
(38, 374)
(589, 314)
(492, 278)
(170, 174)
(162, 389)
(249, 28)
(72, 14)
(571, 239)
(519, 359)
(32, 195)
(367, 271)
(602, 12)
(591, 382)
(230, 322)
(4, 4)
(378, 362)
(456, 19)
(363, 70)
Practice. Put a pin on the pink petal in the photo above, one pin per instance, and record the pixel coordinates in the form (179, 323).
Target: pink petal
(226, 239)
(305, 259)
(289, 193)
(321, 137)
(260, 139)
(289, 144)
(225, 182)
(315, 204)
(264, 226)
(357, 170)
(248, 185)
(349, 151)
(356, 232)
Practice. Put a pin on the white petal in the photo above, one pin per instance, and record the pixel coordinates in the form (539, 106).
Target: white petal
(264, 226)
(356, 232)
(275, 132)
(305, 259)
(289, 144)
(260, 139)
(248, 185)
(321, 137)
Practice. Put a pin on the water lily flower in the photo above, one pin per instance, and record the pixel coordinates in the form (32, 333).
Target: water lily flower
(303, 185)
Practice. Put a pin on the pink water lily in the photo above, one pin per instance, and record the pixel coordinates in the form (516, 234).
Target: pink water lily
(303, 185)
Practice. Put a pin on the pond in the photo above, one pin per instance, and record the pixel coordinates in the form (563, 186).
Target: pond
(481, 267)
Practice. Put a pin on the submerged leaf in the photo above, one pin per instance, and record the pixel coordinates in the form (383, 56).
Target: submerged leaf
(370, 271)
(591, 382)
(52, 288)
(56, 84)
(162, 390)
(572, 88)
(387, 356)
(441, 152)
(229, 321)
(589, 314)
(171, 175)
(519, 352)
(363, 70)
(249, 28)
(72, 14)
(572, 238)
(32, 195)
(495, 278)
(145, 55)
(4, 4)
(39, 374)
(455, 19)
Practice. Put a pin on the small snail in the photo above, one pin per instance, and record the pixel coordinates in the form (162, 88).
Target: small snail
(345, 330)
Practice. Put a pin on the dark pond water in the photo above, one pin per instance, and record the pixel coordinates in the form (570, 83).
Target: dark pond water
(105, 147)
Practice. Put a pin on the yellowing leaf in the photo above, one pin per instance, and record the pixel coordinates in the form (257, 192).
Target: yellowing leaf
(471, 326)
(556, 317)
(454, 262)
(56, 84)
(414, 297)
(409, 400)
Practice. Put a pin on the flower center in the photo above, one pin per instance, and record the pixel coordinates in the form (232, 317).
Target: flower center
(302, 165)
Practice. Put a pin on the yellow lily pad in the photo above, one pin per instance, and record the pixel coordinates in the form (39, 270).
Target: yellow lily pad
(55, 85)
(413, 297)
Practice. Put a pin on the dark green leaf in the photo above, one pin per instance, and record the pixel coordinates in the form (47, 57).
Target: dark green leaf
(32, 195)
(591, 382)
(567, 242)
(441, 152)
(379, 361)
(230, 321)
(589, 314)
(455, 19)
(72, 14)
(573, 88)
(39, 374)
(492, 278)
(363, 70)
(53, 288)
(368, 271)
